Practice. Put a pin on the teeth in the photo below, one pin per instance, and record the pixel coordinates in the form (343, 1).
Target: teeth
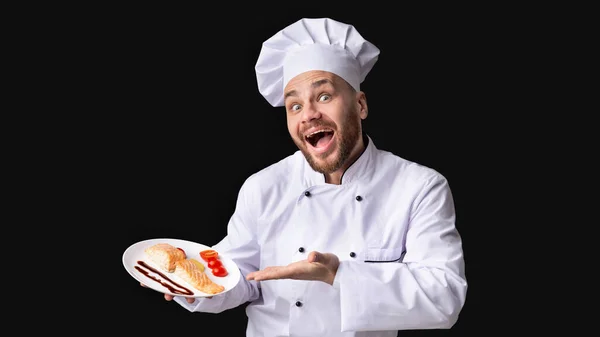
(314, 133)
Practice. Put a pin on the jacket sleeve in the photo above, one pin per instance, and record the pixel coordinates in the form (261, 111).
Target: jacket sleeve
(424, 290)
(241, 246)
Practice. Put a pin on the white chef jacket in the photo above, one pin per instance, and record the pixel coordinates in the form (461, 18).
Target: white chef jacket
(392, 225)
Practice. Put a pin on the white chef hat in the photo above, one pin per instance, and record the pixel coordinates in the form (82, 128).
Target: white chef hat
(313, 44)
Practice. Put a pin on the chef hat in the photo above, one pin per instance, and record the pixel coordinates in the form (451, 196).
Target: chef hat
(313, 44)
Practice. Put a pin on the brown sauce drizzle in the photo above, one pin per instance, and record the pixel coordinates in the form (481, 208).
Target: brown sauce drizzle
(184, 291)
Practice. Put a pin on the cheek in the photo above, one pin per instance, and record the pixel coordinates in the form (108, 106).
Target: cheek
(292, 127)
(291, 131)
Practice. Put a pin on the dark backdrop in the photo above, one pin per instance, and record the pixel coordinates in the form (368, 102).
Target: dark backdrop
(178, 124)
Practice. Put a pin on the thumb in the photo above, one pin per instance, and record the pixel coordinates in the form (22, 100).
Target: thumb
(316, 257)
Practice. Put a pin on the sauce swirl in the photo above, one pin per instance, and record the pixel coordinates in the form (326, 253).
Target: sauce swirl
(172, 287)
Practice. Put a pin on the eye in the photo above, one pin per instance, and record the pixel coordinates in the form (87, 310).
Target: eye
(294, 107)
(324, 97)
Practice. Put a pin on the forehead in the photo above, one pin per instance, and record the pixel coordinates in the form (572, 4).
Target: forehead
(308, 79)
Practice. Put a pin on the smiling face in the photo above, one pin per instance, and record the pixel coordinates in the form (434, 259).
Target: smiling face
(324, 116)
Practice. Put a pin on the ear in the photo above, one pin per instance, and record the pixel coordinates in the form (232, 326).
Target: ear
(361, 101)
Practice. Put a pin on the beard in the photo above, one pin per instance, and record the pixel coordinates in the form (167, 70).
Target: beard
(347, 136)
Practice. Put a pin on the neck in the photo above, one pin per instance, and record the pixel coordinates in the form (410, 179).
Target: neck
(335, 178)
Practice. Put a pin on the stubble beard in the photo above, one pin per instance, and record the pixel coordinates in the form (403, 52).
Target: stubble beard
(347, 137)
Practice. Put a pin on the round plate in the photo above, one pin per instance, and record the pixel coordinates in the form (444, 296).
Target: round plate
(134, 254)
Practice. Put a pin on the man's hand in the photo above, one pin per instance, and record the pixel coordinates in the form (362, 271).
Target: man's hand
(170, 298)
(317, 267)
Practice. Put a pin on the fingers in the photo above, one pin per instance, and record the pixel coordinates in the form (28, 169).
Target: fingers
(168, 297)
(268, 273)
(190, 300)
(255, 275)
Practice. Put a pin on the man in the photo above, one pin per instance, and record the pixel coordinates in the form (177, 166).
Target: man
(340, 238)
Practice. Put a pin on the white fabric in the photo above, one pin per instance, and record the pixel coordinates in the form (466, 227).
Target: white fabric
(408, 270)
(313, 44)
(317, 56)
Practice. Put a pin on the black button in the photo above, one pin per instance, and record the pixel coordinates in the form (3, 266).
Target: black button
(307, 193)
(298, 303)
(352, 254)
(358, 197)
(301, 249)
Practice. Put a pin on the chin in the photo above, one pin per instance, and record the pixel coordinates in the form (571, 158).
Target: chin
(323, 162)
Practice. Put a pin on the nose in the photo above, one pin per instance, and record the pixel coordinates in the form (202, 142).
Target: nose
(310, 112)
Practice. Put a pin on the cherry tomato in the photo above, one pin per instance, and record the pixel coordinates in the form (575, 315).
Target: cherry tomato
(214, 263)
(219, 271)
(208, 254)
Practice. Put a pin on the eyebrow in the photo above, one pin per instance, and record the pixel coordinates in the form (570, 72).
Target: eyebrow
(313, 85)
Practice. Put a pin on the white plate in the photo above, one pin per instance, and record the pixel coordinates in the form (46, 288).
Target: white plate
(135, 253)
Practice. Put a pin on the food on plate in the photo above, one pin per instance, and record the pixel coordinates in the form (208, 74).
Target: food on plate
(188, 271)
(165, 256)
(214, 263)
(219, 271)
(198, 263)
(209, 254)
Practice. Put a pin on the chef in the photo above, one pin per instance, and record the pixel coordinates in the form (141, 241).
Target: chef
(341, 238)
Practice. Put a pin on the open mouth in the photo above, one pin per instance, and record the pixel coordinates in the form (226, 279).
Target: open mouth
(320, 139)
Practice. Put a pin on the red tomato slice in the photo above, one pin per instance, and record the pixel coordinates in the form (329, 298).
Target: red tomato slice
(219, 271)
(208, 254)
(214, 263)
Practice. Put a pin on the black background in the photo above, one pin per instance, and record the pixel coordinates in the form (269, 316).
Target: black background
(176, 125)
